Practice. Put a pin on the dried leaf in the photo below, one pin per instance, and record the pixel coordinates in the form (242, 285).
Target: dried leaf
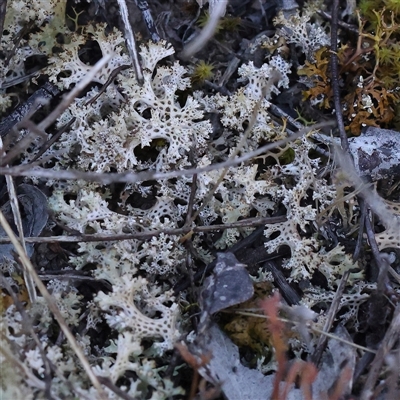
(229, 285)
(236, 380)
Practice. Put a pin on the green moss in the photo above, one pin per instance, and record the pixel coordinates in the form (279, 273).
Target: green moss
(225, 24)
(393, 5)
(367, 7)
(202, 71)
(287, 157)
(370, 69)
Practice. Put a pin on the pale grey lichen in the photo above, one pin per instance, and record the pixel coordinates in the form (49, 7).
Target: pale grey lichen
(297, 29)
(115, 133)
(307, 255)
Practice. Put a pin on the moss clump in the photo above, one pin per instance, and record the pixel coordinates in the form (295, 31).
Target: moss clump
(369, 71)
(203, 71)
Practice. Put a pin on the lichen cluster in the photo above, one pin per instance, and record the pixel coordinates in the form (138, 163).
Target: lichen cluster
(163, 126)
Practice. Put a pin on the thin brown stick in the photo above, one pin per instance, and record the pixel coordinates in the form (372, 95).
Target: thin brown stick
(53, 306)
(342, 24)
(112, 76)
(30, 286)
(383, 284)
(131, 177)
(192, 196)
(119, 392)
(18, 222)
(323, 339)
(361, 227)
(391, 337)
(335, 76)
(53, 139)
(251, 222)
(70, 97)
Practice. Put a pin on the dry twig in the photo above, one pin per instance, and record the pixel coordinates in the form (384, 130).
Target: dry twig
(390, 340)
(316, 356)
(52, 305)
(32, 170)
(208, 31)
(335, 76)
